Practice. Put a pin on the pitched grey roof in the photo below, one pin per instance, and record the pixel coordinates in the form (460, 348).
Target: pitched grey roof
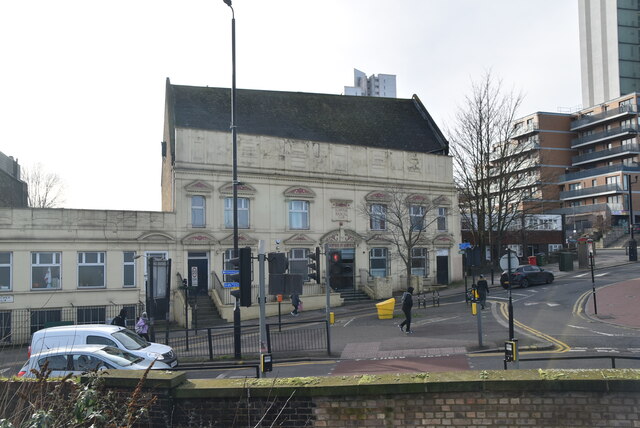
(391, 123)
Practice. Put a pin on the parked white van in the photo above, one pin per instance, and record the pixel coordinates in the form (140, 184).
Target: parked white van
(101, 334)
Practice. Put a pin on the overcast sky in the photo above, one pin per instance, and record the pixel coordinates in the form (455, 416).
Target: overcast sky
(83, 82)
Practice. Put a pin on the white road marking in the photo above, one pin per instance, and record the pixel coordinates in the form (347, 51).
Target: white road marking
(594, 331)
(542, 303)
(221, 376)
(608, 350)
(348, 322)
(579, 276)
(578, 350)
(434, 320)
(602, 274)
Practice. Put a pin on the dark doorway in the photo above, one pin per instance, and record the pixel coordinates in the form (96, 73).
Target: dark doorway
(442, 270)
(198, 262)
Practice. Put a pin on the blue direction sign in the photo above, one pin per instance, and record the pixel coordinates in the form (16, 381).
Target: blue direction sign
(230, 272)
(464, 245)
(231, 284)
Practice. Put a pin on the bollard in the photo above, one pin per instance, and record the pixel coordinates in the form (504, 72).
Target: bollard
(331, 318)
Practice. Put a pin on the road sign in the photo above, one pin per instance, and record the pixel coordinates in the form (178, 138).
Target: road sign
(231, 284)
(464, 245)
(230, 272)
(504, 261)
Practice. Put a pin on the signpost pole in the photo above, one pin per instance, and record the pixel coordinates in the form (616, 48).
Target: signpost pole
(511, 333)
(593, 279)
(327, 277)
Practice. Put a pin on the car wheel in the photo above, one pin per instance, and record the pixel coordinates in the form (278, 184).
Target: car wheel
(549, 279)
(524, 283)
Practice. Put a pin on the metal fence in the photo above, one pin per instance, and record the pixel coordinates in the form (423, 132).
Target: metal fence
(17, 326)
(218, 342)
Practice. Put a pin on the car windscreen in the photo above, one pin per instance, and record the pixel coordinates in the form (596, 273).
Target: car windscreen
(130, 340)
(118, 356)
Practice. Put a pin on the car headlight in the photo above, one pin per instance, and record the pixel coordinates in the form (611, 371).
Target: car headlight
(155, 356)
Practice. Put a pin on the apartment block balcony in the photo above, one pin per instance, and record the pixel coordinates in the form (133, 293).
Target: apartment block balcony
(607, 189)
(587, 209)
(517, 148)
(525, 129)
(615, 152)
(598, 119)
(610, 134)
(594, 172)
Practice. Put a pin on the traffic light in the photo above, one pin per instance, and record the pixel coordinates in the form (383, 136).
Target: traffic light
(314, 265)
(335, 258)
(242, 265)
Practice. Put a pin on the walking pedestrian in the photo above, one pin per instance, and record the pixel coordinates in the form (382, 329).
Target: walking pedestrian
(483, 290)
(121, 318)
(407, 304)
(295, 302)
(142, 326)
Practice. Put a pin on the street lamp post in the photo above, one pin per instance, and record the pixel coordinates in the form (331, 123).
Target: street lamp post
(234, 142)
(633, 246)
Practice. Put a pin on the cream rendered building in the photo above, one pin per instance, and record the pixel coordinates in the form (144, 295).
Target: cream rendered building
(307, 164)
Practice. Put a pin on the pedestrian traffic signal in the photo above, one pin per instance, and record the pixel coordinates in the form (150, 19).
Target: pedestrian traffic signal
(335, 259)
(242, 265)
(278, 263)
(314, 265)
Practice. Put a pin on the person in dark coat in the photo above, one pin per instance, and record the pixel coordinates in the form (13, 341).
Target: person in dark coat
(483, 290)
(295, 302)
(407, 304)
(121, 318)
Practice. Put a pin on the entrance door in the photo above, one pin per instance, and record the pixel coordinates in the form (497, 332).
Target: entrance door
(442, 267)
(198, 262)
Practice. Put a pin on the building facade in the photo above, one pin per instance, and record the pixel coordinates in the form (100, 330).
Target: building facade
(381, 85)
(595, 190)
(311, 168)
(13, 191)
(609, 49)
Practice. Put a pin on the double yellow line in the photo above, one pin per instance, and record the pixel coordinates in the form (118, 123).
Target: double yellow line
(560, 347)
(578, 307)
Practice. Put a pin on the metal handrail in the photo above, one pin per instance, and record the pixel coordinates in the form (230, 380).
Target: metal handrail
(593, 118)
(601, 154)
(610, 133)
(581, 357)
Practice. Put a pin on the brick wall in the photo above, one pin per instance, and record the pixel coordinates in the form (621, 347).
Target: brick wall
(585, 398)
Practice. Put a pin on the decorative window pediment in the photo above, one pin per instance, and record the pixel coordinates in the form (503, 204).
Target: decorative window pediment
(379, 239)
(299, 239)
(156, 237)
(377, 196)
(299, 192)
(244, 240)
(443, 240)
(442, 200)
(418, 199)
(199, 239)
(243, 189)
(198, 186)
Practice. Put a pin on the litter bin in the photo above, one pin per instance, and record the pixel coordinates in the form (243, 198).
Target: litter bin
(533, 261)
(385, 309)
(541, 259)
(566, 262)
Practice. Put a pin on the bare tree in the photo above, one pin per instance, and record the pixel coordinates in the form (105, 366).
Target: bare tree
(402, 219)
(490, 167)
(46, 189)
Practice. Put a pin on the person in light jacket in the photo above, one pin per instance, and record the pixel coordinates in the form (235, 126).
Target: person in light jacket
(407, 304)
(142, 326)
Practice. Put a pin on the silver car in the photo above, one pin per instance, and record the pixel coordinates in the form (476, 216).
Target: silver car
(85, 358)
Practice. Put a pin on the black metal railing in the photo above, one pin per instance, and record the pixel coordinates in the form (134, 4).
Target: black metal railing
(217, 342)
(592, 119)
(612, 358)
